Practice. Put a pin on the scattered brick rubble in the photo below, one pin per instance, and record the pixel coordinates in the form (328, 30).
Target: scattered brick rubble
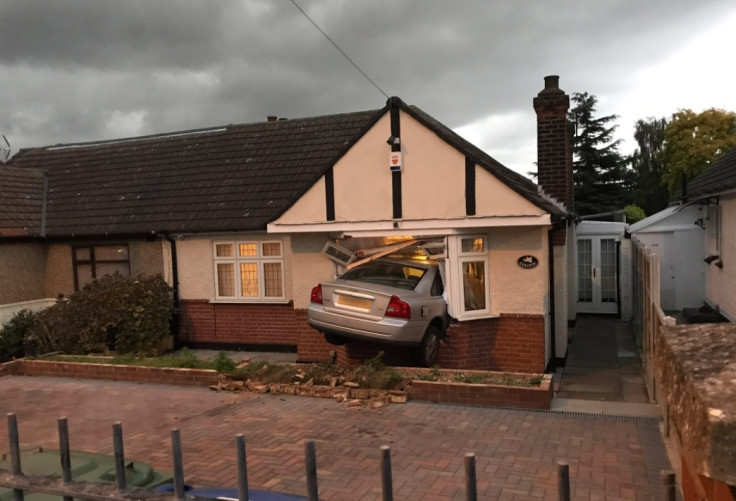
(349, 393)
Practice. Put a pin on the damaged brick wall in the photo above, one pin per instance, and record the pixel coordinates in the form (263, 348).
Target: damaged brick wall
(509, 343)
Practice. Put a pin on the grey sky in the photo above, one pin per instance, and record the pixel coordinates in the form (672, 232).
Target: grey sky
(83, 70)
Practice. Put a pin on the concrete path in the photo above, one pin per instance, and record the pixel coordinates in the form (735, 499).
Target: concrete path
(517, 451)
(603, 373)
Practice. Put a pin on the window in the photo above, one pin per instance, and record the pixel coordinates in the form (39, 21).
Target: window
(472, 276)
(95, 261)
(249, 271)
(713, 230)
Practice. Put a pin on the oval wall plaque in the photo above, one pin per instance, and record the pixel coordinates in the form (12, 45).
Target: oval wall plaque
(528, 262)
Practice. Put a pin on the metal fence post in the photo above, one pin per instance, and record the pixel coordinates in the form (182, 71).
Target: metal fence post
(14, 443)
(311, 465)
(243, 494)
(471, 486)
(668, 485)
(563, 481)
(64, 454)
(117, 443)
(178, 464)
(386, 480)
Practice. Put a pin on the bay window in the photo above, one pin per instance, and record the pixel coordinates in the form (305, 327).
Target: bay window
(471, 281)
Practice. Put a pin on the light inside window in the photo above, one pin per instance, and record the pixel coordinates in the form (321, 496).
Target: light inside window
(474, 286)
(226, 279)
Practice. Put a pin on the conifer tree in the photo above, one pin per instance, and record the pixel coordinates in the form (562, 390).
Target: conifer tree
(603, 183)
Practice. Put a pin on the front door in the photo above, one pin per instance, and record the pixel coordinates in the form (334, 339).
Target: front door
(597, 275)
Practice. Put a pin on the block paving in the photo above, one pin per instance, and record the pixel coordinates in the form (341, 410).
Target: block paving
(610, 458)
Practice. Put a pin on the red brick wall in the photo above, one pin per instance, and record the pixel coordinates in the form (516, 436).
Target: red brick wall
(205, 322)
(9, 368)
(701, 488)
(483, 394)
(509, 343)
(158, 375)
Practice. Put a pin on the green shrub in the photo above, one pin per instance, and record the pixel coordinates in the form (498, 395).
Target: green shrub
(13, 335)
(634, 213)
(127, 314)
(374, 374)
(185, 359)
(224, 364)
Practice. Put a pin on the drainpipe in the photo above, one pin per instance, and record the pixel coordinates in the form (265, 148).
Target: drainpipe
(175, 286)
(552, 338)
(553, 360)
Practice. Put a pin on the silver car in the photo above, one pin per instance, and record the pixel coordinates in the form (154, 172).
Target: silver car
(386, 300)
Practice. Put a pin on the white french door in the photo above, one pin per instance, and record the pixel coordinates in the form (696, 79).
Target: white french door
(597, 273)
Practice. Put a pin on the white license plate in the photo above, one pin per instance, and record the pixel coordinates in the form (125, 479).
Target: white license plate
(355, 302)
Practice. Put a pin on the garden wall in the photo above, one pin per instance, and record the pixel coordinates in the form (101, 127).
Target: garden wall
(153, 375)
(695, 373)
(532, 397)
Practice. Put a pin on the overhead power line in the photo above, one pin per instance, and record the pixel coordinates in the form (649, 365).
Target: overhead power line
(339, 49)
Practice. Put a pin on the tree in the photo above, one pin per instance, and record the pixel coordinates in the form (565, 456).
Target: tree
(602, 181)
(650, 194)
(695, 140)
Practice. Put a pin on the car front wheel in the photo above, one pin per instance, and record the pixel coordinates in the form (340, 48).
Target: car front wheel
(426, 353)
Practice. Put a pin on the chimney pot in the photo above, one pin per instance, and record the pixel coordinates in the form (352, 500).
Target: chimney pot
(552, 82)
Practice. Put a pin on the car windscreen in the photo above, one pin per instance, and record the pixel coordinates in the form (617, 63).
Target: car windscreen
(399, 275)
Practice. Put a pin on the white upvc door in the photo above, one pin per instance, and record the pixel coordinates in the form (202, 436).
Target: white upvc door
(597, 274)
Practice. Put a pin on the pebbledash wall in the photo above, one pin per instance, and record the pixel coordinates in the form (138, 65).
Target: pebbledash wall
(512, 342)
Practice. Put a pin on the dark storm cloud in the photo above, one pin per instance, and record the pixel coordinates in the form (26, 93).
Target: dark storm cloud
(109, 34)
(78, 70)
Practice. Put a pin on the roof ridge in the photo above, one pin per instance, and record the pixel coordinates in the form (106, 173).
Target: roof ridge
(187, 132)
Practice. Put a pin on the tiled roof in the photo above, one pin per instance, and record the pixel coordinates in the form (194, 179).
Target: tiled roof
(21, 201)
(232, 178)
(719, 178)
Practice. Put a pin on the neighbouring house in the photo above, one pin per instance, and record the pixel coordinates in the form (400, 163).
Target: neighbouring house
(694, 238)
(715, 190)
(693, 365)
(677, 235)
(236, 218)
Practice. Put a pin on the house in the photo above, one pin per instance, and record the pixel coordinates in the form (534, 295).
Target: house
(715, 190)
(693, 238)
(677, 235)
(236, 218)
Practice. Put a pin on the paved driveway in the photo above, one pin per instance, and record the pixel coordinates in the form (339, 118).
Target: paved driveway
(517, 451)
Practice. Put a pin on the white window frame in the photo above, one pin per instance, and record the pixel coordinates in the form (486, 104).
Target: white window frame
(258, 259)
(456, 259)
(713, 229)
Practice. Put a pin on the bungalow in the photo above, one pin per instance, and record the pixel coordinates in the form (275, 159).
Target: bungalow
(236, 218)
(715, 188)
(694, 238)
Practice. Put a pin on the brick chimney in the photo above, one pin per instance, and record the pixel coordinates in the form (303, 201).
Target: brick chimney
(554, 142)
